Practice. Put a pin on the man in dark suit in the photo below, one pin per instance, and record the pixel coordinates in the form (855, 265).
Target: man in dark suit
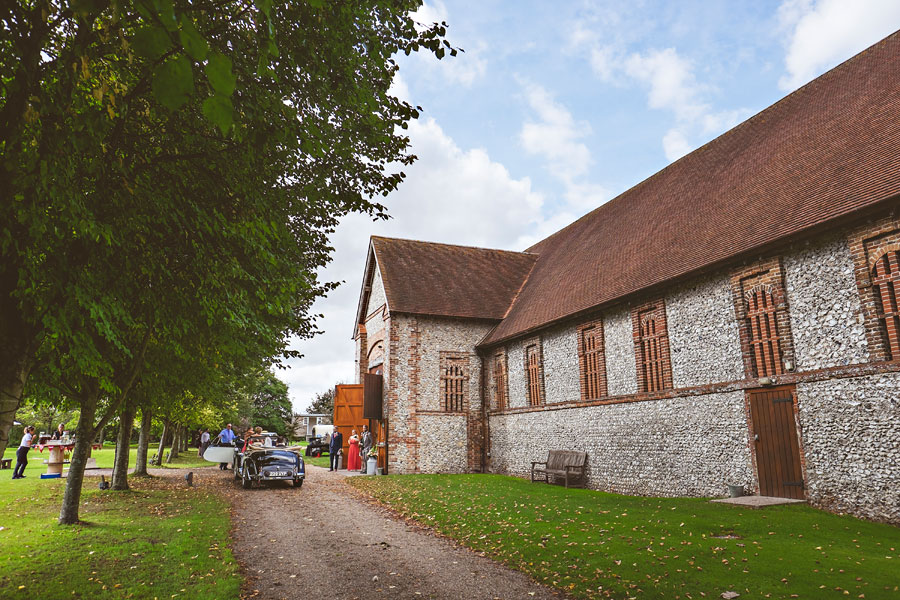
(334, 449)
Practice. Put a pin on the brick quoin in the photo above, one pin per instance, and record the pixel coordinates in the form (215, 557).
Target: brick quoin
(867, 243)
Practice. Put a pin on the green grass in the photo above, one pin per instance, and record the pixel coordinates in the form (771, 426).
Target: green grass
(151, 542)
(597, 545)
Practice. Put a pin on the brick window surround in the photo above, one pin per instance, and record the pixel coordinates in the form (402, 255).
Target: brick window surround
(591, 360)
(501, 380)
(875, 248)
(760, 306)
(534, 372)
(454, 381)
(651, 346)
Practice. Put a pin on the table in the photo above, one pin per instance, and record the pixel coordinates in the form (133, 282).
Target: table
(57, 458)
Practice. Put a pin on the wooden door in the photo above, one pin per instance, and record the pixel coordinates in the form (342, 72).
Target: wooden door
(777, 448)
(379, 429)
(348, 412)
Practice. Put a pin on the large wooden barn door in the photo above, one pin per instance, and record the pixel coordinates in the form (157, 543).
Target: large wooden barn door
(348, 412)
(775, 438)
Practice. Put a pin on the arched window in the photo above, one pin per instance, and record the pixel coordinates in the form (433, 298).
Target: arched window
(885, 283)
(651, 354)
(593, 364)
(763, 335)
(501, 389)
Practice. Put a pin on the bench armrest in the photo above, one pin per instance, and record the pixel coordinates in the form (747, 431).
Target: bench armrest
(537, 462)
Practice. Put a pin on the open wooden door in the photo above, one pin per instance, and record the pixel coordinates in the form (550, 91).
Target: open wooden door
(348, 413)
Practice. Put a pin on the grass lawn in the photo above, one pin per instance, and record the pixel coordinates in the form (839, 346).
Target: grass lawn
(150, 542)
(597, 545)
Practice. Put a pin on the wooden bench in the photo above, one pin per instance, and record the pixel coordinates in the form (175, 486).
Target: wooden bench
(565, 464)
(5, 463)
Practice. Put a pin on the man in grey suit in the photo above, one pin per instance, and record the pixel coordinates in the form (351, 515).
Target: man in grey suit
(365, 444)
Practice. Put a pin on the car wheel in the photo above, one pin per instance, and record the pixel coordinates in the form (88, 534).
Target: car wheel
(298, 483)
(246, 482)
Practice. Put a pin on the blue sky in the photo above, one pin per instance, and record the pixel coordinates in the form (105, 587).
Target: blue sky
(556, 107)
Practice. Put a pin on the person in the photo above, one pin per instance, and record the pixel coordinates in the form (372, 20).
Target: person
(226, 437)
(334, 450)
(365, 444)
(204, 441)
(353, 452)
(58, 434)
(22, 453)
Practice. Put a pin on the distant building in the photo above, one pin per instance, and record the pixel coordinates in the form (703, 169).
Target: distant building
(309, 420)
(733, 319)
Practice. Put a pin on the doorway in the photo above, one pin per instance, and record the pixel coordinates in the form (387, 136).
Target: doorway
(776, 446)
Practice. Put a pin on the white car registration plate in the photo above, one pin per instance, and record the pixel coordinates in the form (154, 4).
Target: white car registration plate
(278, 473)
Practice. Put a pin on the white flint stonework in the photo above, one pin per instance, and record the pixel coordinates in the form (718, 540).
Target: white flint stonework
(851, 441)
(692, 446)
(515, 368)
(377, 298)
(704, 341)
(824, 306)
(561, 377)
(401, 461)
(442, 444)
(621, 372)
(448, 335)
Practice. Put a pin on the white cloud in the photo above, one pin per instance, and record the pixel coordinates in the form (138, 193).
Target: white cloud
(463, 69)
(671, 80)
(822, 34)
(450, 195)
(557, 137)
(675, 144)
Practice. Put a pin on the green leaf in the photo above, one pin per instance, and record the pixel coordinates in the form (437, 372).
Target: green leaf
(219, 110)
(218, 71)
(165, 9)
(151, 42)
(194, 43)
(316, 3)
(264, 6)
(173, 82)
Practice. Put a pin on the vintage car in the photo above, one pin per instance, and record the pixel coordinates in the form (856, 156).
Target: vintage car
(260, 459)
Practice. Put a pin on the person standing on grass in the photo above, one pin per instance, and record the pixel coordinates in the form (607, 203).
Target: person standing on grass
(365, 444)
(22, 453)
(204, 441)
(226, 437)
(334, 450)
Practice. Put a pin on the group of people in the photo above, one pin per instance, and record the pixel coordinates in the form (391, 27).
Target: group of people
(28, 440)
(360, 445)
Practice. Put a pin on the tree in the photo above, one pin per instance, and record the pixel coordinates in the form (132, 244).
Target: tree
(272, 409)
(171, 171)
(323, 404)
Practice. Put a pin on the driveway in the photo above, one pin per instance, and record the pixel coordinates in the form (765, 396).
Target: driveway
(324, 540)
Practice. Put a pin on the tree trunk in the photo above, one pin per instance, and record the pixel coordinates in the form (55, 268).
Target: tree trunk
(140, 466)
(176, 440)
(186, 439)
(84, 434)
(162, 443)
(10, 399)
(123, 448)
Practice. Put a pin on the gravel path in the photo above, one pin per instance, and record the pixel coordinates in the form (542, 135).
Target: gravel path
(323, 540)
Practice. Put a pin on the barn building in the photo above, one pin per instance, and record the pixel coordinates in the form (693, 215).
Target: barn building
(733, 319)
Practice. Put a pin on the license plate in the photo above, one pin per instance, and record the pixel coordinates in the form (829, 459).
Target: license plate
(278, 473)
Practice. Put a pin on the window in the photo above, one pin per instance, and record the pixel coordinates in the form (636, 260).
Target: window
(592, 361)
(501, 389)
(654, 366)
(885, 284)
(533, 368)
(454, 382)
(762, 330)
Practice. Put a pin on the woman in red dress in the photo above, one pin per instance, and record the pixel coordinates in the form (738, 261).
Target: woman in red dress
(353, 462)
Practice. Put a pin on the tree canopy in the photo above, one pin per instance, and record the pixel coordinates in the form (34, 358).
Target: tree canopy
(170, 171)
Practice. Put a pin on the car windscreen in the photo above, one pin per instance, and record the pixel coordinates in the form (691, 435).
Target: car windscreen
(275, 457)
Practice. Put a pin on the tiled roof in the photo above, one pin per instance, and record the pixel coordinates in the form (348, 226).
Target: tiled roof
(450, 281)
(827, 150)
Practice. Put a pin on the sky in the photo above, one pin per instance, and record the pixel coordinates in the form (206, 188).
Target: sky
(557, 107)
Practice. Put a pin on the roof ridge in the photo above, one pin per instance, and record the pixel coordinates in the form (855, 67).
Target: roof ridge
(414, 241)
